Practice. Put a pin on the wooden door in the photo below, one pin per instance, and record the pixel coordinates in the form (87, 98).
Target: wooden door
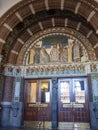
(37, 100)
(73, 100)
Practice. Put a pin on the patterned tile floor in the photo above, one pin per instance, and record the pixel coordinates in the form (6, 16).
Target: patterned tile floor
(25, 128)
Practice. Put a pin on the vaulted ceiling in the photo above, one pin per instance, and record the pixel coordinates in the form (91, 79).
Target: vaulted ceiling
(32, 16)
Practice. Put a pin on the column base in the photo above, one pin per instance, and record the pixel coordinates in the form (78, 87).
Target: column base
(16, 114)
(5, 114)
(11, 114)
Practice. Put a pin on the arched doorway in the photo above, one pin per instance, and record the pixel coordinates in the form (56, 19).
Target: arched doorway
(71, 92)
(72, 100)
(73, 107)
(50, 67)
(22, 30)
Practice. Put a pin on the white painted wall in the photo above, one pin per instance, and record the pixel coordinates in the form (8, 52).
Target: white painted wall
(5, 5)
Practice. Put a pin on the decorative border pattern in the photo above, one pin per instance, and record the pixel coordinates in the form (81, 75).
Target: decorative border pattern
(51, 70)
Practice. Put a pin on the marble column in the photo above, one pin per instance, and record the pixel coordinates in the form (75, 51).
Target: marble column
(94, 115)
(6, 101)
(54, 103)
(16, 114)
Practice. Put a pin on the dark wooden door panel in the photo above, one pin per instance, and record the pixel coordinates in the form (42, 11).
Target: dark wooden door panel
(65, 115)
(37, 100)
(38, 114)
(75, 109)
(80, 115)
(71, 107)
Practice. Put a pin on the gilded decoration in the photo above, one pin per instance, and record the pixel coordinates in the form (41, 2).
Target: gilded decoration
(56, 45)
(93, 67)
(31, 20)
(56, 48)
(51, 70)
(55, 52)
(55, 70)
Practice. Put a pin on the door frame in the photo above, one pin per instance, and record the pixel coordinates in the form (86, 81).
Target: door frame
(85, 78)
(54, 83)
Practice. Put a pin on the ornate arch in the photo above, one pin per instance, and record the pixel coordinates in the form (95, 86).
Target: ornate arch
(30, 17)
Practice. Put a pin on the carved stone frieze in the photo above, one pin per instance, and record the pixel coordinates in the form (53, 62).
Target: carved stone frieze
(49, 70)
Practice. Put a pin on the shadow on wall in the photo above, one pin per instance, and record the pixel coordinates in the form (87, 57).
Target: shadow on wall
(0, 114)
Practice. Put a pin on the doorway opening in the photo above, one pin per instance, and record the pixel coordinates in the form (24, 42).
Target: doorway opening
(72, 102)
(37, 112)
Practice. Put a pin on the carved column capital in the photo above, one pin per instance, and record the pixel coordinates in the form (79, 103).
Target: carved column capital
(54, 81)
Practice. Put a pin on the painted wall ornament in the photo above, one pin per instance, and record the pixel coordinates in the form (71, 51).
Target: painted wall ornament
(44, 56)
(51, 69)
(93, 67)
(10, 70)
(62, 38)
(56, 51)
(18, 71)
(62, 49)
(54, 54)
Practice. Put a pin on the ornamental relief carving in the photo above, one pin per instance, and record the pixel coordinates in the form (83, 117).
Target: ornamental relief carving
(51, 70)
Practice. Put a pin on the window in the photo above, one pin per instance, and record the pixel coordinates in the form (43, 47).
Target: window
(45, 92)
(38, 91)
(79, 92)
(65, 91)
(31, 91)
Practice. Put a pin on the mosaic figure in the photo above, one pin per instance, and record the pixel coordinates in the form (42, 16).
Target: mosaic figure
(44, 70)
(41, 70)
(71, 70)
(76, 69)
(65, 54)
(60, 69)
(44, 57)
(93, 67)
(35, 71)
(76, 52)
(69, 46)
(54, 69)
(82, 68)
(47, 70)
(60, 52)
(64, 69)
(28, 70)
(32, 55)
(54, 54)
(37, 56)
(18, 71)
(84, 56)
(10, 70)
(32, 71)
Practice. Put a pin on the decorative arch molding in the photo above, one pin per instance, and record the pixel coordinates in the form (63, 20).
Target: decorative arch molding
(16, 70)
(47, 5)
(70, 33)
(23, 9)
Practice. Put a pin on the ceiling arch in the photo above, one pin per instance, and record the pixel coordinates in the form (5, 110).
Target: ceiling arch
(29, 17)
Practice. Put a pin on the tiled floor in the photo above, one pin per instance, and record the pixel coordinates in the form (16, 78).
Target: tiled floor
(25, 128)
